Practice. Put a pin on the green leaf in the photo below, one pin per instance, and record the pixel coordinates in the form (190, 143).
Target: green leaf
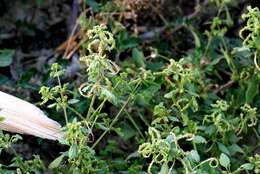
(257, 42)
(124, 41)
(247, 166)
(138, 57)
(125, 131)
(133, 155)
(199, 139)
(223, 148)
(160, 110)
(144, 97)
(170, 94)
(73, 151)
(224, 160)
(173, 119)
(73, 101)
(6, 57)
(234, 148)
(111, 97)
(194, 156)
(102, 126)
(252, 89)
(93, 4)
(57, 162)
(164, 169)
(3, 79)
(196, 38)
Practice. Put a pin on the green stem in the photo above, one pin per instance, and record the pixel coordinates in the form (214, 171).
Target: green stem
(134, 123)
(90, 109)
(112, 123)
(164, 57)
(255, 61)
(63, 101)
(76, 112)
(116, 117)
(96, 111)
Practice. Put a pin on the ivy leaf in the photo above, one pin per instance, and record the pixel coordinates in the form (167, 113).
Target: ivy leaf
(224, 160)
(6, 57)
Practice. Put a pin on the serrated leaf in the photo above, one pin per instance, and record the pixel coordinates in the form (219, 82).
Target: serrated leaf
(57, 162)
(224, 160)
(111, 97)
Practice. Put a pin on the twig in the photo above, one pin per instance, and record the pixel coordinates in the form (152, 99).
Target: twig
(116, 117)
(227, 85)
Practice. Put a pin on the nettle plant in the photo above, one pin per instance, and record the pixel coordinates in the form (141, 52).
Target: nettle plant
(18, 164)
(191, 119)
(184, 122)
(104, 84)
(193, 125)
(252, 39)
(188, 117)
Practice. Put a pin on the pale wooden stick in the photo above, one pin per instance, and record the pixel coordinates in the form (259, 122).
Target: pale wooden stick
(25, 118)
